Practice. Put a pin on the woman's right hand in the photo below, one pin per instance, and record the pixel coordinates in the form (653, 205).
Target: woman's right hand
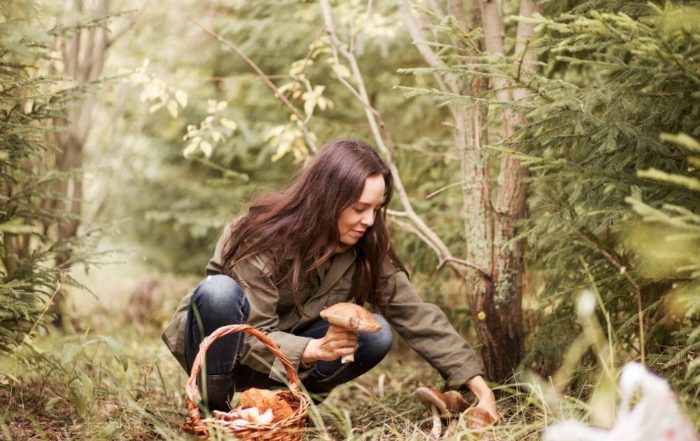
(336, 343)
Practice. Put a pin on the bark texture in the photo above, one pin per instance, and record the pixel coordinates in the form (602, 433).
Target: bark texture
(83, 54)
(495, 279)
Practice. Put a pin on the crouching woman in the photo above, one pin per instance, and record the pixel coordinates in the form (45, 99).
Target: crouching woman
(321, 241)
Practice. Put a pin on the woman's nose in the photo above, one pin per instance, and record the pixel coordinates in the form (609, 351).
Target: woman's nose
(368, 219)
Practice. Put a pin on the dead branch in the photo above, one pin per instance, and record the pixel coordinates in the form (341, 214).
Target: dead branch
(416, 32)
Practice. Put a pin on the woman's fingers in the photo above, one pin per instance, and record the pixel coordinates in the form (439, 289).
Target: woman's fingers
(336, 343)
(336, 332)
(340, 343)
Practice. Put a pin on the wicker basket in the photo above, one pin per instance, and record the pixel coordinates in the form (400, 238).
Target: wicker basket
(287, 429)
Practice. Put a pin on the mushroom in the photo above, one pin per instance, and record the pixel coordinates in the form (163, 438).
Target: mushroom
(435, 402)
(441, 405)
(353, 318)
(455, 404)
(478, 418)
(263, 400)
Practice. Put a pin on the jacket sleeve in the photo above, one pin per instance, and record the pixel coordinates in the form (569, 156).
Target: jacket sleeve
(427, 330)
(253, 274)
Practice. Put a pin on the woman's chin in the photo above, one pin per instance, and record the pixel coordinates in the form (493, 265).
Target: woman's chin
(343, 246)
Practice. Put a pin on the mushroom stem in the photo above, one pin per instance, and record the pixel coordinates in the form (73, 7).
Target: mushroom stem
(353, 318)
(450, 429)
(437, 425)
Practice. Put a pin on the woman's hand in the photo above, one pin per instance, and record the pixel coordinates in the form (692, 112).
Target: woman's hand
(487, 400)
(336, 343)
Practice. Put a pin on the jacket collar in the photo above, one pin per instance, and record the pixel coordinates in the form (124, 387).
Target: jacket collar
(340, 265)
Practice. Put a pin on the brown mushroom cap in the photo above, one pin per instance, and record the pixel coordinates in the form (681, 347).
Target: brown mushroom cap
(455, 401)
(351, 316)
(430, 397)
(478, 418)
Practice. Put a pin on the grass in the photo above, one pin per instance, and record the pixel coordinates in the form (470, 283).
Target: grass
(128, 387)
(117, 381)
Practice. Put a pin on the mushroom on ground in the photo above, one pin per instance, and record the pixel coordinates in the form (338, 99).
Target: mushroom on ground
(353, 318)
(441, 405)
(455, 404)
(435, 402)
(478, 418)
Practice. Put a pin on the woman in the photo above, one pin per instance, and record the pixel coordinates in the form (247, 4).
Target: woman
(322, 241)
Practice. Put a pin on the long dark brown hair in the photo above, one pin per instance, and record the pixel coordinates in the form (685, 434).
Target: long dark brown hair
(299, 225)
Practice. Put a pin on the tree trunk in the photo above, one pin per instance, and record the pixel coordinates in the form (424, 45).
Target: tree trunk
(84, 55)
(496, 302)
(494, 279)
(509, 208)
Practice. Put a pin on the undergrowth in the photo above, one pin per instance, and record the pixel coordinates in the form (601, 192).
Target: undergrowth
(128, 387)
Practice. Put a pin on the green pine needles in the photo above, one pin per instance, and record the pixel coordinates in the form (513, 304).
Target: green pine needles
(29, 276)
(614, 83)
(605, 87)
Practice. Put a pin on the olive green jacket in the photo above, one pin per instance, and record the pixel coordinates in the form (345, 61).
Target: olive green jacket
(422, 325)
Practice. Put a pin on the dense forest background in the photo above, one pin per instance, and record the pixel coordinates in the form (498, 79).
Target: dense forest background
(548, 197)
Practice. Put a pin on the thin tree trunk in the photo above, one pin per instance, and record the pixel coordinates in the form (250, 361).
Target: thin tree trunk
(495, 292)
(509, 209)
(83, 55)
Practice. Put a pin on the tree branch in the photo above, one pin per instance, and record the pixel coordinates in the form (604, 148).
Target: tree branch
(375, 122)
(419, 40)
(619, 265)
(233, 48)
(127, 27)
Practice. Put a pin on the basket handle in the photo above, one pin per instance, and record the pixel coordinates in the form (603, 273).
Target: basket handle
(191, 388)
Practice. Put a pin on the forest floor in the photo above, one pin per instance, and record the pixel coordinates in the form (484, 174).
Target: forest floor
(123, 384)
(110, 377)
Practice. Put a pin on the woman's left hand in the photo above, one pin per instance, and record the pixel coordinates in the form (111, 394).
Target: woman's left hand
(483, 392)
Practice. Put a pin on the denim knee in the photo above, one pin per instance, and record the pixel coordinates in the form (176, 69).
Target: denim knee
(218, 294)
(380, 342)
(217, 301)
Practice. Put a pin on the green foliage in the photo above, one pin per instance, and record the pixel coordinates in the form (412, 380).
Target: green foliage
(176, 206)
(612, 84)
(89, 388)
(28, 248)
(611, 77)
(679, 228)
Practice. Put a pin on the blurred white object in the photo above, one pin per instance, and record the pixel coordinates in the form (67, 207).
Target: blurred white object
(654, 417)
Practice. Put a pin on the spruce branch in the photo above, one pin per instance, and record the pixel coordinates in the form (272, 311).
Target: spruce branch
(419, 41)
(622, 268)
(49, 303)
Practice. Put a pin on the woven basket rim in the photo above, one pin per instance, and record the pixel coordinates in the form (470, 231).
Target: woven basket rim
(296, 398)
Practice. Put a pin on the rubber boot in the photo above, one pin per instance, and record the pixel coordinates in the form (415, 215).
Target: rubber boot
(219, 392)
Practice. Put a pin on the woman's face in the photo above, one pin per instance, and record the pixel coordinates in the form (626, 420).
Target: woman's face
(358, 217)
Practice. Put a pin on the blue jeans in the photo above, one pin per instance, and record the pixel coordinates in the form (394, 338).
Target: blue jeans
(219, 300)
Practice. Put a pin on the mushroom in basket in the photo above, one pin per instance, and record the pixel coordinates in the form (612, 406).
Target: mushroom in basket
(259, 406)
(264, 400)
(351, 317)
